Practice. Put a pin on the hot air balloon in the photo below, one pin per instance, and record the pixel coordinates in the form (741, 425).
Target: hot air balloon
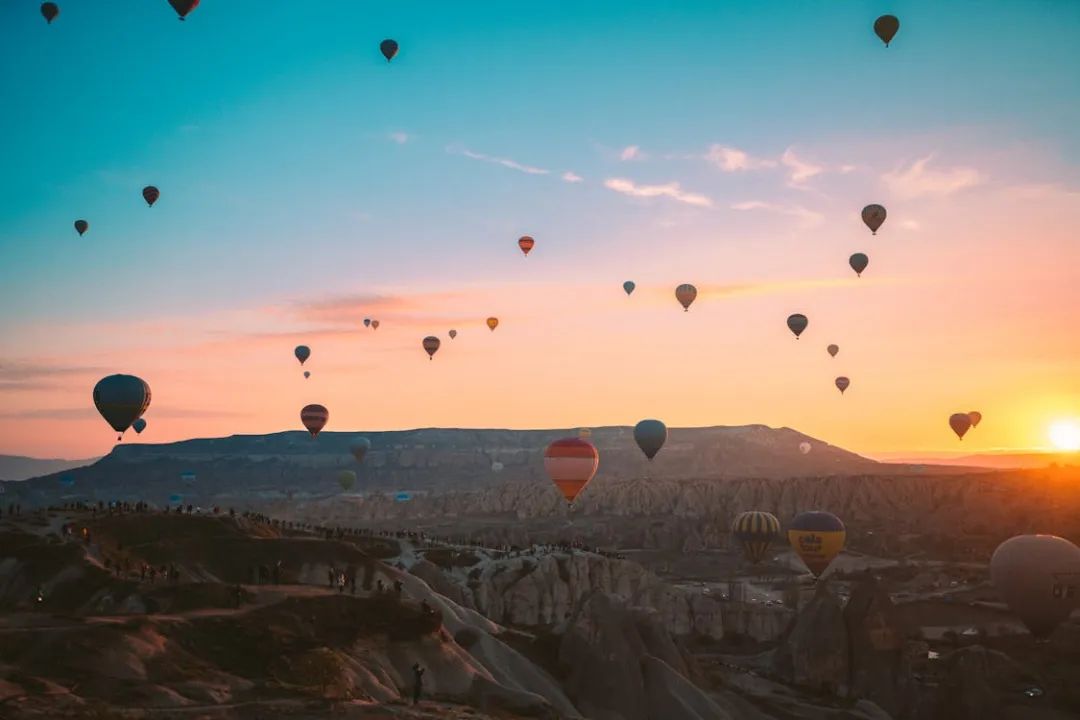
(139, 425)
(302, 353)
(150, 195)
(431, 346)
(805, 447)
(960, 424)
(314, 418)
(49, 11)
(526, 243)
(797, 323)
(858, 263)
(976, 418)
(121, 400)
(183, 7)
(176, 499)
(367, 322)
(571, 464)
(492, 323)
(81, 226)
(67, 480)
(817, 537)
(1038, 576)
(452, 334)
(402, 497)
(374, 324)
(584, 433)
(833, 349)
(685, 294)
(755, 530)
(873, 216)
(885, 27)
(188, 477)
(307, 374)
(346, 479)
(650, 436)
(359, 448)
(842, 384)
(389, 49)
(629, 286)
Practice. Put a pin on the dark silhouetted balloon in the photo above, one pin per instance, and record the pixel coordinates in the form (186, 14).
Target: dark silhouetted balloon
(685, 294)
(139, 425)
(571, 464)
(121, 400)
(755, 530)
(492, 323)
(797, 323)
(650, 436)
(833, 349)
(629, 286)
(314, 418)
(873, 216)
(526, 243)
(367, 322)
(81, 226)
(960, 424)
(49, 11)
(976, 418)
(885, 27)
(816, 537)
(452, 334)
(374, 324)
(307, 374)
(842, 384)
(1038, 576)
(858, 263)
(389, 49)
(150, 195)
(302, 353)
(183, 7)
(431, 346)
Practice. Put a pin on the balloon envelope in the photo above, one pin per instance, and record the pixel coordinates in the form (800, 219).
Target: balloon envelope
(960, 424)
(650, 436)
(403, 497)
(431, 345)
(816, 537)
(571, 464)
(629, 286)
(81, 226)
(976, 417)
(183, 7)
(150, 194)
(302, 353)
(139, 425)
(842, 384)
(685, 294)
(389, 49)
(314, 418)
(873, 216)
(833, 349)
(346, 479)
(1039, 577)
(359, 448)
(805, 448)
(755, 530)
(797, 323)
(526, 243)
(858, 263)
(307, 374)
(885, 27)
(452, 334)
(121, 400)
(492, 323)
(367, 322)
(49, 11)
(374, 324)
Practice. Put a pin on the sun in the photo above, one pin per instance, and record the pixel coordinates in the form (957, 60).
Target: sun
(1065, 435)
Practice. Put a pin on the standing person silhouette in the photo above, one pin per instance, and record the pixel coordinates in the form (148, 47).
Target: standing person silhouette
(418, 682)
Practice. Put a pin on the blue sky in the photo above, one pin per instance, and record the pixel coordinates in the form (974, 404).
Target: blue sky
(296, 165)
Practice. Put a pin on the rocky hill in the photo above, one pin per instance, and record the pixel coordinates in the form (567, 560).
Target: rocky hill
(18, 467)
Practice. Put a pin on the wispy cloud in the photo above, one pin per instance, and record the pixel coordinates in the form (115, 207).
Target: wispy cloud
(807, 218)
(505, 162)
(572, 177)
(731, 159)
(919, 179)
(670, 190)
(631, 152)
(799, 170)
(911, 225)
(11, 370)
(399, 137)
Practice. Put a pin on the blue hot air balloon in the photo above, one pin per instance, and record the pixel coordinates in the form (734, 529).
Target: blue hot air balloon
(402, 497)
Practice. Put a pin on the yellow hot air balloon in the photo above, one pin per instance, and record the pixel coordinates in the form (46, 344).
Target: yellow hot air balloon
(492, 323)
(817, 537)
(755, 531)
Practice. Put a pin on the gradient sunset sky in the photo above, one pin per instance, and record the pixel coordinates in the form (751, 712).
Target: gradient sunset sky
(306, 184)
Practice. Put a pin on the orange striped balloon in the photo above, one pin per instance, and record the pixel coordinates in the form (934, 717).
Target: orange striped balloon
(526, 243)
(314, 418)
(571, 464)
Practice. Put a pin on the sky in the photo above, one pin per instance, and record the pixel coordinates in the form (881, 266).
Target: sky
(306, 184)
